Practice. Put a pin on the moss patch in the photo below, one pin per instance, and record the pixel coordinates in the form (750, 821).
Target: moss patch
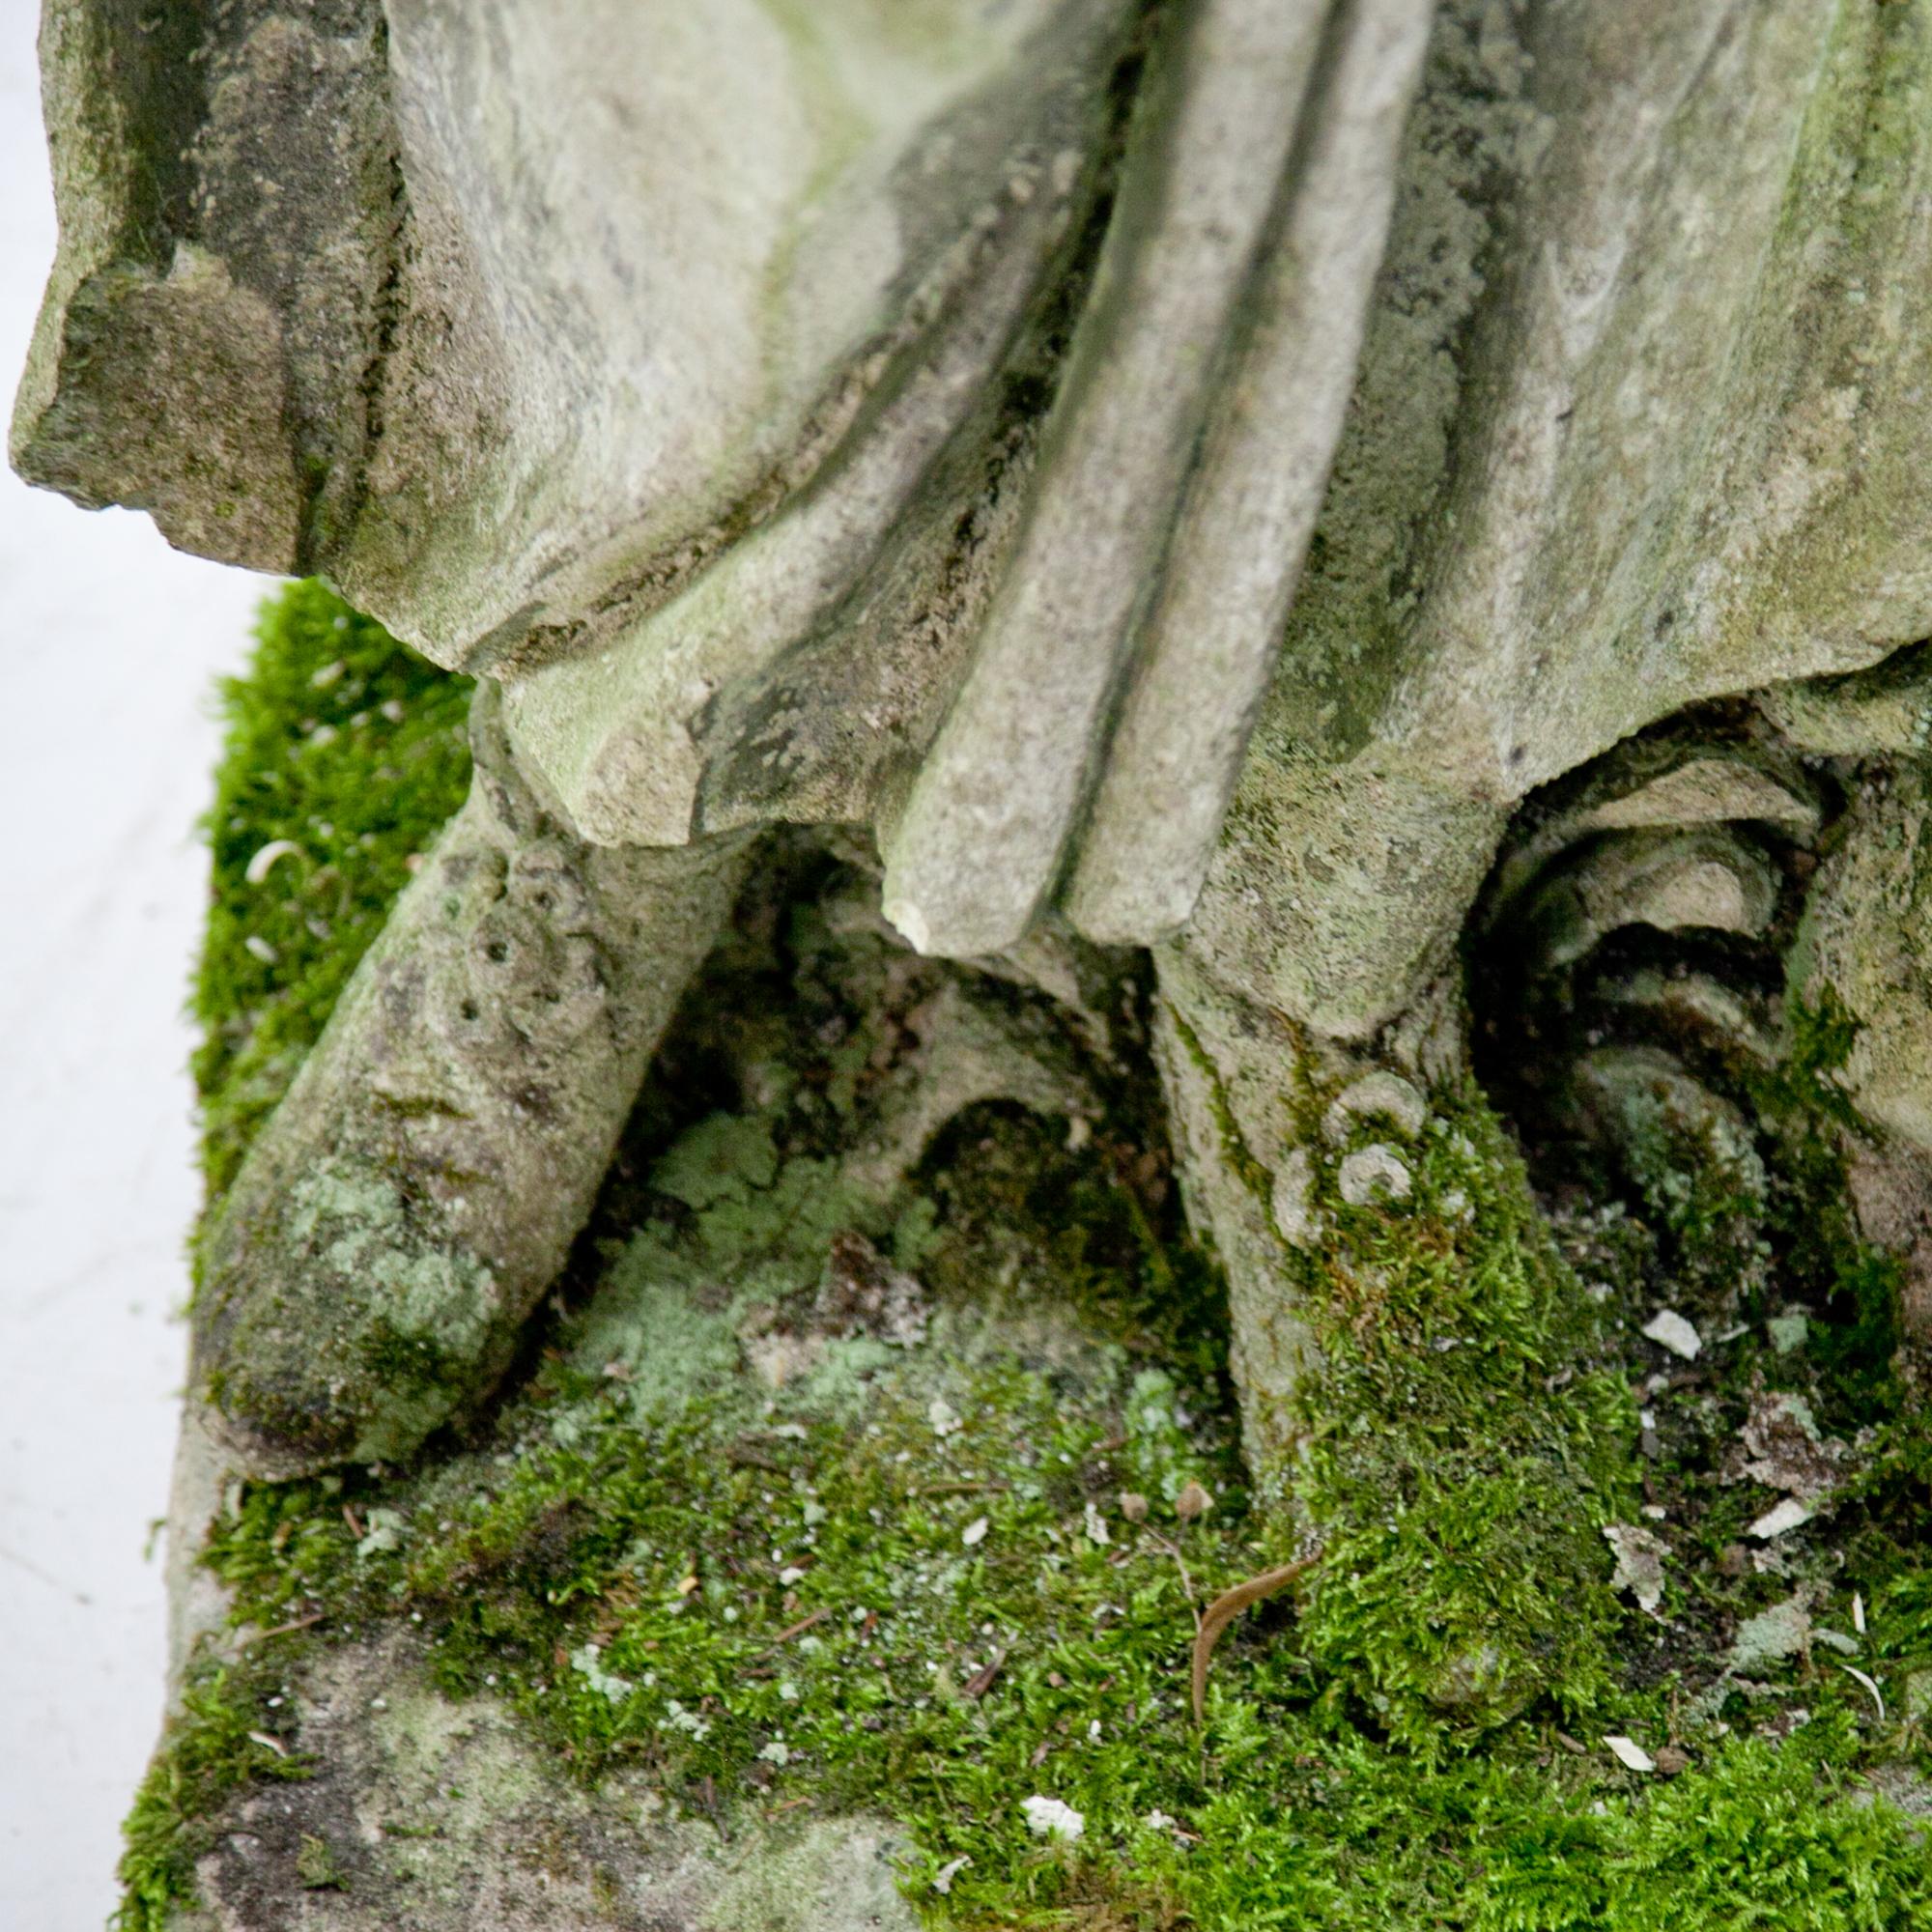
(235, 1728)
(344, 753)
(813, 1497)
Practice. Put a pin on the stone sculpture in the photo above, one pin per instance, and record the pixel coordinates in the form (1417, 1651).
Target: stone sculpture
(1369, 499)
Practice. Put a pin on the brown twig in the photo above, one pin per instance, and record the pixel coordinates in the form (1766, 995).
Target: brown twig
(283, 1629)
(804, 1624)
(1226, 1608)
(981, 1679)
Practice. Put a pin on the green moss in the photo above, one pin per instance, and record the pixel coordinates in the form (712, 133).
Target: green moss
(1467, 1442)
(353, 749)
(753, 1589)
(213, 1744)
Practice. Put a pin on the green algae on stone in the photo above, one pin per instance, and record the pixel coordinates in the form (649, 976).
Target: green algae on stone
(1465, 1440)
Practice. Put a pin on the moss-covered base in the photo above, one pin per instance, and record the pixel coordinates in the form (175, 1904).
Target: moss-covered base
(822, 1497)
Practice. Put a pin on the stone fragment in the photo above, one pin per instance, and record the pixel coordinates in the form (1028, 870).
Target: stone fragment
(1668, 1329)
(1780, 1519)
(1639, 1569)
(1050, 1818)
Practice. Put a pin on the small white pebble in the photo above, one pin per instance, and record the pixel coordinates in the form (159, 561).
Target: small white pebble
(1857, 1613)
(791, 1573)
(1049, 1818)
(1778, 1519)
(260, 949)
(1157, 1820)
(1629, 1752)
(328, 675)
(1668, 1329)
(974, 1532)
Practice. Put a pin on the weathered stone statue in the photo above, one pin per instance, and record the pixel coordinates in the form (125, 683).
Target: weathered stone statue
(1411, 513)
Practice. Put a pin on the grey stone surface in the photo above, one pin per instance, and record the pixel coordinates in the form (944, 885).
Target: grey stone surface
(440, 1815)
(835, 420)
(365, 1277)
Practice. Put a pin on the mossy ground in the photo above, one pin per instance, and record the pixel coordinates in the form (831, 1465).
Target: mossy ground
(882, 1571)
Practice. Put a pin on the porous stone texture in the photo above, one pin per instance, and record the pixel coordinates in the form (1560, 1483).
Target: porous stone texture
(366, 1276)
(1636, 257)
(838, 419)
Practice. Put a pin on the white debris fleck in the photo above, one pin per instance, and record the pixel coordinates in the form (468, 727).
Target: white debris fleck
(385, 1532)
(1669, 1331)
(1877, 1695)
(974, 1532)
(1787, 1331)
(1157, 1820)
(941, 1879)
(1049, 1818)
(261, 949)
(1095, 1526)
(943, 1417)
(1371, 1173)
(588, 1663)
(1859, 1612)
(1780, 1517)
(1630, 1753)
(791, 1573)
(260, 866)
(778, 1751)
(1639, 1555)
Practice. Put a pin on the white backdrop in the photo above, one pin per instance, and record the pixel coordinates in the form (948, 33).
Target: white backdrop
(109, 642)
